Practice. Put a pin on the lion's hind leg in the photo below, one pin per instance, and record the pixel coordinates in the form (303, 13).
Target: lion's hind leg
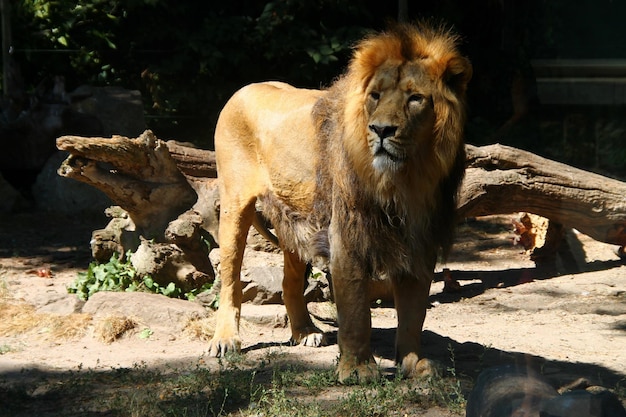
(303, 331)
(235, 220)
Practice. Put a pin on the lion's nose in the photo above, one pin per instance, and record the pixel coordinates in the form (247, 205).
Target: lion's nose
(384, 132)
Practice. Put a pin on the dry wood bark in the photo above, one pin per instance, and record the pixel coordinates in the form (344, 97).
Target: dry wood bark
(169, 190)
(138, 174)
(500, 179)
(158, 200)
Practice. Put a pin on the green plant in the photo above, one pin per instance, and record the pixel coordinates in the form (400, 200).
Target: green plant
(449, 390)
(145, 333)
(234, 389)
(120, 275)
(190, 295)
(115, 275)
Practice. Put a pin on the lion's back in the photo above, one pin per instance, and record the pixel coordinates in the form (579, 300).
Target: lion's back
(271, 117)
(267, 149)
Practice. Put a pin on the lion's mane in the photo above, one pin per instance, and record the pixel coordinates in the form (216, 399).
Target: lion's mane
(400, 221)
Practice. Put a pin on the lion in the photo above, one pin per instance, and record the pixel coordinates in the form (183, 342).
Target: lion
(362, 176)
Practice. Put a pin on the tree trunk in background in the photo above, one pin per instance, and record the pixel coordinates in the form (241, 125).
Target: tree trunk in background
(500, 179)
(8, 86)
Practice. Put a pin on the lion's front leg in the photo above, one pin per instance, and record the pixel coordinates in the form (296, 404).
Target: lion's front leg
(411, 301)
(355, 329)
(354, 317)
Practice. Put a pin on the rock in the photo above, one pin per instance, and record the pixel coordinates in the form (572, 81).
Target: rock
(272, 316)
(267, 285)
(325, 311)
(94, 111)
(167, 263)
(211, 298)
(10, 198)
(509, 390)
(60, 304)
(120, 111)
(250, 292)
(583, 403)
(28, 141)
(154, 311)
(64, 195)
(262, 279)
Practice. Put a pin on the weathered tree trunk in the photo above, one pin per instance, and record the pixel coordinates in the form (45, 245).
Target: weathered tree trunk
(158, 199)
(170, 195)
(500, 179)
(138, 174)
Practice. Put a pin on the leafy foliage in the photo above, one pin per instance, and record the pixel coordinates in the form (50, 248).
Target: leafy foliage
(120, 275)
(185, 57)
(62, 28)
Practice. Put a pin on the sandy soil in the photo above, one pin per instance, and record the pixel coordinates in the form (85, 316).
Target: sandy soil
(569, 324)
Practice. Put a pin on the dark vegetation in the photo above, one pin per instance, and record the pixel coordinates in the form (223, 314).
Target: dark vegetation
(187, 58)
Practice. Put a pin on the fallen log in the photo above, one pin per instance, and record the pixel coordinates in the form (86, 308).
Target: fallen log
(145, 179)
(138, 174)
(500, 180)
(169, 192)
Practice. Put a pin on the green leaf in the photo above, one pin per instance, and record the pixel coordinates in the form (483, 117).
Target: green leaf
(325, 50)
(315, 55)
(145, 333)
(171, 290)
(149, 282)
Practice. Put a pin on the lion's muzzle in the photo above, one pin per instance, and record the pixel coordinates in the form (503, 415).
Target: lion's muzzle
(384, 132)
(388, 155)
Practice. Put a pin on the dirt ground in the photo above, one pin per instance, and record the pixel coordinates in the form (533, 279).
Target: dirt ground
(569, 322)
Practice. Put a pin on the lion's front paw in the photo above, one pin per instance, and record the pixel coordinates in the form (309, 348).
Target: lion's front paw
(311, 336)
(219, 346)
(361, 373)
(413, 367)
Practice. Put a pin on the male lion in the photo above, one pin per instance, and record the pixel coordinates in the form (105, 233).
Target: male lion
(363, 175)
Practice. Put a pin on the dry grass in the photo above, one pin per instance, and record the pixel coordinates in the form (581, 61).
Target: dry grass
(69, 327)
(20, 318)
(203, 328)
(111, 328)
(4, 288)
(17, 318)
(200, 329)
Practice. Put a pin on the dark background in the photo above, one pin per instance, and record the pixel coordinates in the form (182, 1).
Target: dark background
(187, 58)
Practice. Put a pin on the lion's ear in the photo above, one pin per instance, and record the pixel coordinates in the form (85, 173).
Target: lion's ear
(458, 73)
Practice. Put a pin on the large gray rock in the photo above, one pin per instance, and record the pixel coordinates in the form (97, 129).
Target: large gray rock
(157, 312)
(119, 111)
(10, 198)
(263, 285)
(111, 111)
(64, 195)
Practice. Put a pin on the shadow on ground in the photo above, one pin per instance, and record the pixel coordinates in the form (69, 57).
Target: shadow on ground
(180, 386)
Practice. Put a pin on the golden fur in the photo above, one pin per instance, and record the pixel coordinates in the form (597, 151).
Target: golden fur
(363, 175)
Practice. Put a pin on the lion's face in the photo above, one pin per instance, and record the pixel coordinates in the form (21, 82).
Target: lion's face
(400, 115)
(403, 112)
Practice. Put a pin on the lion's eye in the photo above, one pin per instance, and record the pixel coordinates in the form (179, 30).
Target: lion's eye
(416, 98)
(375, 95)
